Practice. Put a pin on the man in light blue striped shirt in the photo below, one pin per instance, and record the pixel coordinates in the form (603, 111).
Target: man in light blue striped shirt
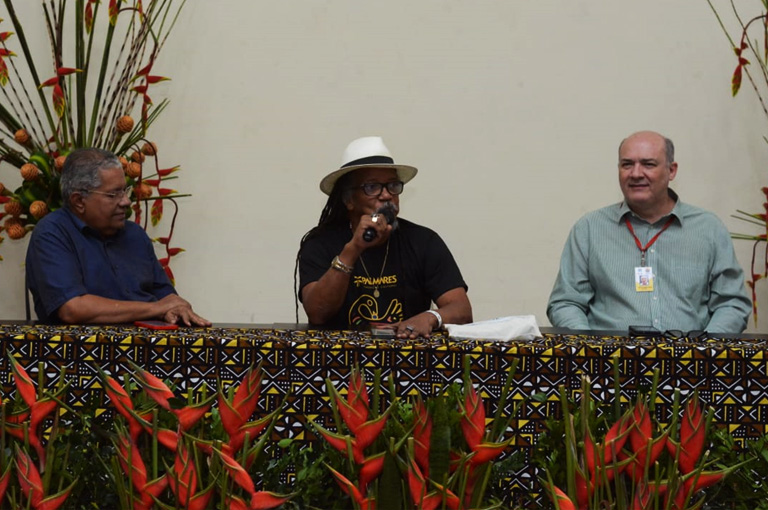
(650, 260)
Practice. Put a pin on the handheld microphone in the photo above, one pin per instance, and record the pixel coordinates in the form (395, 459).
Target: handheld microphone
(388, 212)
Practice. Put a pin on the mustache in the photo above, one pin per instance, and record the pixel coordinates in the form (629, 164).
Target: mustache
(389, 211)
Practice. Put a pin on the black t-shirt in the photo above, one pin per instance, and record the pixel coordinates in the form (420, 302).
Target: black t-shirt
(419, 269)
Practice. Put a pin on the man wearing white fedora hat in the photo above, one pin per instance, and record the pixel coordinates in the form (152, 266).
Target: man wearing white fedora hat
(363, 264)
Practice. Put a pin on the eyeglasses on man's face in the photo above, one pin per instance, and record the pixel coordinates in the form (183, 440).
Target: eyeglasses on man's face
(374, 189)
(113, 195)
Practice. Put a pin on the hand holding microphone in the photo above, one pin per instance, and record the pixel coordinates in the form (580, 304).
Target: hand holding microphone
(388, 212)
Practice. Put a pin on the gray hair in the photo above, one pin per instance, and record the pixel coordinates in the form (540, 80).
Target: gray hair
(669, 149)
(81, 171)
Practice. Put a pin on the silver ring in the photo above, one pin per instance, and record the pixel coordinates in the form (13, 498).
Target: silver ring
(409, 328)
(374, 217)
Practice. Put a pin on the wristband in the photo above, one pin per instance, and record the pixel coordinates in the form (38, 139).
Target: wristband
(338, 265)
(439, 318)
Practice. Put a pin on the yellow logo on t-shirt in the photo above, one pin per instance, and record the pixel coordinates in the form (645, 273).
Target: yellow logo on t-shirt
(366, 309)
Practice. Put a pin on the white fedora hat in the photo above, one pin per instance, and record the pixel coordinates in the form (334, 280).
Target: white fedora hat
(366, 152)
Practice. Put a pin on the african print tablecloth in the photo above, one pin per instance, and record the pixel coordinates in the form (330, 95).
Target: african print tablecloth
(730, 375)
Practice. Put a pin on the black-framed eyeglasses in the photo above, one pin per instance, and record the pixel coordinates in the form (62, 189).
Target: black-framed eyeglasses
(114, 195)
(374, 189)
(676, 334)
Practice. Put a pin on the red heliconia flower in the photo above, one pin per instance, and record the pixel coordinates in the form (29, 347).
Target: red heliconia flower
(156, 79)
(235, 414)
(123, 404)
(561, 499)
(355, 410)
(24, 384)
(485, 452)
(5, 478)
(347, 486)
(370, 470)
(114, 8)
(6, 53)
(151, 490)
(264, 500)
(417, 485)
(189, 415)
(260, 500)
(131, 461)
(4, 36)
(165, 437)
(606, 456)
(646, 456)
(64, 71)
(422, 500)
(172, 252)
(3, 73)
(31, 484)
(642, 429)
(59, 101)
(693, 484)
(164, 192)
(39, 411)
(156, 212)
(88, 16)
(692, 435)
(50, 82)
(342, 443)
(155, 388)
(152, 182)
(164, 172)
(237, 472)
(183, 480)
(140, 89)
(473, 419)
(646, 495)
(169, 273)
(584, 488)
(422, 435)
(645, 448)
(246, 396)
(369, 431)
(252, 429)
(29, 478)
(615, 439)
(236, 503)
(144, 71)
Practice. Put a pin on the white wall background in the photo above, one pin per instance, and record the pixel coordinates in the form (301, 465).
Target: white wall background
(511, 110)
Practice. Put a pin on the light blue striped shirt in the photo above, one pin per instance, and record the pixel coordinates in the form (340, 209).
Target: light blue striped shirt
(698, 283)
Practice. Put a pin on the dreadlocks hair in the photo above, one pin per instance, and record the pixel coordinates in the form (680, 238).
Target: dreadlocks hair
(334, 213)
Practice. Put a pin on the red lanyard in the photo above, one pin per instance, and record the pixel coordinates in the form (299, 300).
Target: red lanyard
(642, 248)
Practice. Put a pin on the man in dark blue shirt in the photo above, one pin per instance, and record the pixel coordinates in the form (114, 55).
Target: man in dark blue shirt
(87, 264)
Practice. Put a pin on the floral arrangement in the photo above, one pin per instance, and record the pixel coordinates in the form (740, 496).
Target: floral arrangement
(638, 464)
(93, 93)
(751, 52)
(197, 451)
(417, 461)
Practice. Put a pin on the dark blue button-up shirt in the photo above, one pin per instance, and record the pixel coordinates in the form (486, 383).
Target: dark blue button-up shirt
(67, 259)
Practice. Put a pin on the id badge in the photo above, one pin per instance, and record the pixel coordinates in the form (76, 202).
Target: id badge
(644, 279)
